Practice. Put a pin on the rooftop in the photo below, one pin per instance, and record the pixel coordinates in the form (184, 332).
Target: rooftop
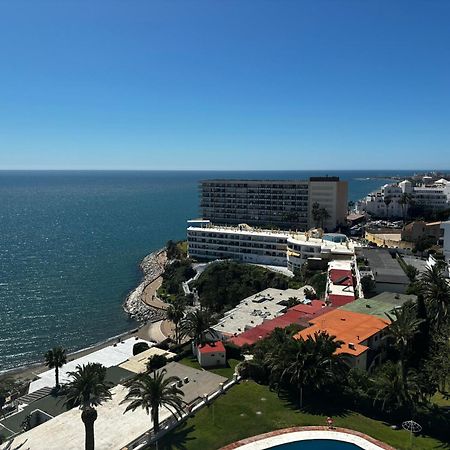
(379, 305)
(211, 347)
(138, 363)
(113, 428)
(256, 309)
(385, 268)
(239, 230)
(299, 314)
(109, 356)
(347, 326)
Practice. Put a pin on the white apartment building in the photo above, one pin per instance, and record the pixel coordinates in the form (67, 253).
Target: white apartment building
(330, 246)
(251, 245)
(240, 243)
(388, 201)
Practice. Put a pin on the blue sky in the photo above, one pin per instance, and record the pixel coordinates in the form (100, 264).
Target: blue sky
(343, 84)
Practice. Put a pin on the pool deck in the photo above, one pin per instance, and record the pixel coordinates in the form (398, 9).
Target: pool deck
(287, 435)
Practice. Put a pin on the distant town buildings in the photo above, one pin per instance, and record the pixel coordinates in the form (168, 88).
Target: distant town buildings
(395, 200)
(286, 204)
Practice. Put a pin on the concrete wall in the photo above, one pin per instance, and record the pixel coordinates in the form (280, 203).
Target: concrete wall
(333, 196)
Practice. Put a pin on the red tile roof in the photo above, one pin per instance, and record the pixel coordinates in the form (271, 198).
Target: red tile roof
(211, 347)
(299, 314)
(340, 300)
(350, 327)
(337, 274)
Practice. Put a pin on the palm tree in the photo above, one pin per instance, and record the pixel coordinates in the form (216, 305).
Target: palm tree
(324, 215)
(175, 313)
(436, 292)
(313, 362)
(394, 389)
(405, 199)
(55, 359)
(277, 357)
(196, 325)
(153, 391)
(404, 326)
(387, 202)
(88, 389)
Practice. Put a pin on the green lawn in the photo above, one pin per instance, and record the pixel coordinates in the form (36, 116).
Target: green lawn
(226, 372)
(249, 409)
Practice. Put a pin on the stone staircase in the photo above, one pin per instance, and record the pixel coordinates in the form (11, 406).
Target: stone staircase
(36, 395)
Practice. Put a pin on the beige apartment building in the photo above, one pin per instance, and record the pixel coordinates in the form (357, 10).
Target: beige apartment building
(285, 204)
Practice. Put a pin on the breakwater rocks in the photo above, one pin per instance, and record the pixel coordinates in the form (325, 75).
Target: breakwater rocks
(152, 266)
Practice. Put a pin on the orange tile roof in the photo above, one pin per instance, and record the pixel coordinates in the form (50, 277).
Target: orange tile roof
(347, 326)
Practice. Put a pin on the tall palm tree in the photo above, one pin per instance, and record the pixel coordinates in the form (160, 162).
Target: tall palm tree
(394, 389)
(55, 359)
(324, 216)
(404, 325)
(196, 325)
(313, 362)
(277, 357)
(175, 313)
(404, 200)
(387, 202)
(153, 391)
(88, 389)
(436, 292)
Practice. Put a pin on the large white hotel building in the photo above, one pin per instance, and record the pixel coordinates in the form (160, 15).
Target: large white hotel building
(250, 245)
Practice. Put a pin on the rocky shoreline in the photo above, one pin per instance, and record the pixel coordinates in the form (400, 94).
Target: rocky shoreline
(152, 266)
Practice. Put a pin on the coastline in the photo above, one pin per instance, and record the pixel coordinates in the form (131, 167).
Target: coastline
(138, 304)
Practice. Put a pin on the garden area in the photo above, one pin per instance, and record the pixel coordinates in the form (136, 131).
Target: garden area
(249, 409)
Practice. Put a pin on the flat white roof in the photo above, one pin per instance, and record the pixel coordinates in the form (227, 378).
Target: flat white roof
(339, 265)
(334, 247)
(336, 289)
(239, 231)
(108, 356)
(253, 310)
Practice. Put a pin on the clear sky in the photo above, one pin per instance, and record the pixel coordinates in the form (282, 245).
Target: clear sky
(343, 84)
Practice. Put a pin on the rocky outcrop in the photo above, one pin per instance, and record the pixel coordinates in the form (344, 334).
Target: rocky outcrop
(152, 267)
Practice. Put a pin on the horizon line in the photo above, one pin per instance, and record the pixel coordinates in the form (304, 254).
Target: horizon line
(223, 170)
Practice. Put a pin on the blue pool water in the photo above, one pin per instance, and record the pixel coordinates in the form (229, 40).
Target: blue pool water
(317, 444)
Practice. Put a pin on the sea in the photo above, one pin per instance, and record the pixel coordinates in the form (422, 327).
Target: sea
(71, 243)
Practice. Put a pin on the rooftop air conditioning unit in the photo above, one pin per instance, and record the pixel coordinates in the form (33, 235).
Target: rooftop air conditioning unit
(351, 345)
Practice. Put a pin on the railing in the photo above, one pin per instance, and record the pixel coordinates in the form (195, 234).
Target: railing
(171, 422)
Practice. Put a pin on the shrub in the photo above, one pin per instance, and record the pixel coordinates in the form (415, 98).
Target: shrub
(140, 347)
(225, 284)
(156, 362)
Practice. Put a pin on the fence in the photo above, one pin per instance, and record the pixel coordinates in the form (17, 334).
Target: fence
(172, 422)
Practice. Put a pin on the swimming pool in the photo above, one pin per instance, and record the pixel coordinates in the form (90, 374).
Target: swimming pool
(317, 444)
(310, 438)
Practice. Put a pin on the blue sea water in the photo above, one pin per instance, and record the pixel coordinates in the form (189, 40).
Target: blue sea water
(71, 243)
